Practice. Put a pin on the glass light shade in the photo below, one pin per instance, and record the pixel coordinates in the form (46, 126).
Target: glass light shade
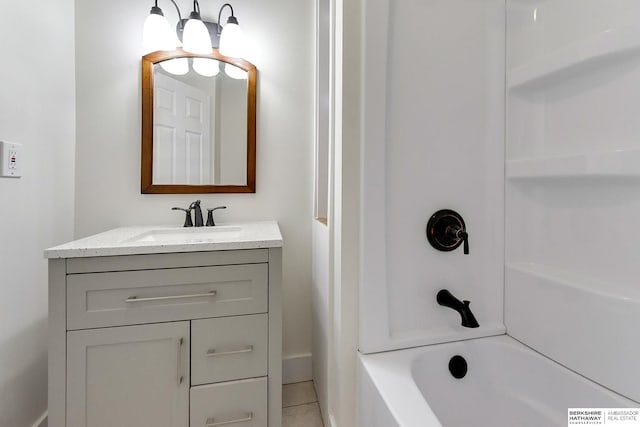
(176, 66)
(206, 67)
(195, 38)
(232, 41)
(157, 34)
(235, 72)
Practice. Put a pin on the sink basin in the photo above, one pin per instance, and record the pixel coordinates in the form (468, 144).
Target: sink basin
(187, 235)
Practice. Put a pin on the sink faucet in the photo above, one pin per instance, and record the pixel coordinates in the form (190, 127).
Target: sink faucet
(197, 213)
(446, 299)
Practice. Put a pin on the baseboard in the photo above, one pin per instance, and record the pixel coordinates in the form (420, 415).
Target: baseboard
(297, 368)
(42, 421)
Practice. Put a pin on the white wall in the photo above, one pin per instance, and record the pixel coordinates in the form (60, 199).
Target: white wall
(108, 51)
(321, 302)
(37, 110)
(321, 295)
(433, 129)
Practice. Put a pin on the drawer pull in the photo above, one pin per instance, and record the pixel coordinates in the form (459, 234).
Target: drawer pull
(213, 352)
(180, 376)
(211, 422)
(136, 299)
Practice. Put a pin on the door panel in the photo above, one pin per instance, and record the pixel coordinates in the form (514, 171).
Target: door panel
(182, 133)
(134, 376)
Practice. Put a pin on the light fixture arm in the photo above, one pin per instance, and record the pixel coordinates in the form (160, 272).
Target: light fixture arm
(177, 10)
(232, 18)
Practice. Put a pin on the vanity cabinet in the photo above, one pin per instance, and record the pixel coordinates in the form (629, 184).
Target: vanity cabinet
(166, 340)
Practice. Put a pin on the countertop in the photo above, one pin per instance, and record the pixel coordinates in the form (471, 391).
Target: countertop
(140, 240)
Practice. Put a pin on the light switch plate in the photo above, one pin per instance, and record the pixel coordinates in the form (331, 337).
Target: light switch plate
(11, 156)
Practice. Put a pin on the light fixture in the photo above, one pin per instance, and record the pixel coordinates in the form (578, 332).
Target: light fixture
(232, 37)
(198, 37)
(193, 29)
(157, 34)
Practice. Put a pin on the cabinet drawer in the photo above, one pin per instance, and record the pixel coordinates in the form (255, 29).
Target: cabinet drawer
(238, 404)
(229, 348)
(148, 296)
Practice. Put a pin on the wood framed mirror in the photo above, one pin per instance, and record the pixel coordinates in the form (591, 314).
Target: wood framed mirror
(198, 123)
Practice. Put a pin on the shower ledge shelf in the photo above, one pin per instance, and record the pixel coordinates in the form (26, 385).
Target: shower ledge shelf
(610, 164)
(585, 55)
(551, 275)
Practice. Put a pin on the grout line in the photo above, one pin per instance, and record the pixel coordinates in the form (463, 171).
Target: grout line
(300, 404)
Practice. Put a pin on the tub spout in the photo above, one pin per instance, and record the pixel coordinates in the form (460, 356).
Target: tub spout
(446, 299)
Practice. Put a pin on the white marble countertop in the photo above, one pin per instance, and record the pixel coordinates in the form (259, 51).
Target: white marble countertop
(140, 240)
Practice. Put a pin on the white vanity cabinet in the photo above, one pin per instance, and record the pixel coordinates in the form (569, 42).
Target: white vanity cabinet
(175, 339)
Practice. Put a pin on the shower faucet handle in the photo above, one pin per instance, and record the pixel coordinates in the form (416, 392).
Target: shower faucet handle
(465, 246)
(461, 234)
(446, 231)
(464, 236)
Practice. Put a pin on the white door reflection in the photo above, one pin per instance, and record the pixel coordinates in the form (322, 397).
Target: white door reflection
(182, 133)
(199, 128)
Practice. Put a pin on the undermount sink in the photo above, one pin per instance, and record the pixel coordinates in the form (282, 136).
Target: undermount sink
(187, 235)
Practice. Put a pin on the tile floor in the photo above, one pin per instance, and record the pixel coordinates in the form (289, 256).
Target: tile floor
(300, 406)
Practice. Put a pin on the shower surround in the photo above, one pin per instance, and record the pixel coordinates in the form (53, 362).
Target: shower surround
(521, 116)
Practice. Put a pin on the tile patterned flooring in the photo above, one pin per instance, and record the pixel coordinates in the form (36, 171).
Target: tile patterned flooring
(300, 406)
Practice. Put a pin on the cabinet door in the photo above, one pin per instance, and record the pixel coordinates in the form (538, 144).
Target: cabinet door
(133, 376)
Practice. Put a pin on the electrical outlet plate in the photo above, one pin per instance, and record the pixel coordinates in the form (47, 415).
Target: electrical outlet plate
(11, 159)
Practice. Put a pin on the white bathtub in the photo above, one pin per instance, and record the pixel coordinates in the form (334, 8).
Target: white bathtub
(507, 384)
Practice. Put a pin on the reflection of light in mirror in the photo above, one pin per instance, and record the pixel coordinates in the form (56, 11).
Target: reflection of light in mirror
(206, 67)
(157, 34)
(176, 66)
(195, 38)
(232, 41)
(235, 72)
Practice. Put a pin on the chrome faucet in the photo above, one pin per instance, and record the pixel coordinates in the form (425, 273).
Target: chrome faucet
(446, 299)
(195, 206)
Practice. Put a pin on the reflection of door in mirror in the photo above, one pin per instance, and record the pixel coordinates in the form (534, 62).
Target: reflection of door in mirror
(182, 132)
(199, 129)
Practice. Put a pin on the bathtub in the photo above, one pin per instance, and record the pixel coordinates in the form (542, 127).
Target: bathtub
(507, 384)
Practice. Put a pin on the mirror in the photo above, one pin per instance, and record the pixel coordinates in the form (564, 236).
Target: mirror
(198, 123)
